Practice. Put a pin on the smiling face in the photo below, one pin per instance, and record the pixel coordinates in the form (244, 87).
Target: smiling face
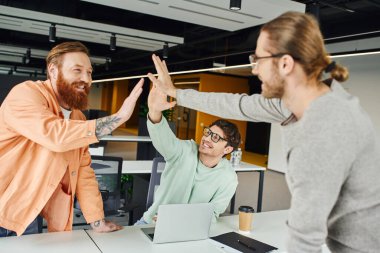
(212, 149)
(72, 80)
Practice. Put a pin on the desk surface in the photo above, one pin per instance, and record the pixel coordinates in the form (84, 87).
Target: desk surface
(62, 242)
(132, 239)
(268, 227)
(126, 138)
(145, 167)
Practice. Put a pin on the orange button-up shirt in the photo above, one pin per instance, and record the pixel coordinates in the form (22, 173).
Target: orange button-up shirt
(40, 153)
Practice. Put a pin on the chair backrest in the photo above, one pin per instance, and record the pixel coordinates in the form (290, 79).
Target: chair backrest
(108, 173)
(155, 179)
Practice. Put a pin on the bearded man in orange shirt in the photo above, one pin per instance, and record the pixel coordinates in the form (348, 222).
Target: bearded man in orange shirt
(44, 140)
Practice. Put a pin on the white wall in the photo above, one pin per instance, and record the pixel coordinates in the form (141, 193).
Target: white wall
(364, 82)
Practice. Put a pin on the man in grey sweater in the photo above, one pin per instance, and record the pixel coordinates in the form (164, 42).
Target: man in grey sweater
(331, 147)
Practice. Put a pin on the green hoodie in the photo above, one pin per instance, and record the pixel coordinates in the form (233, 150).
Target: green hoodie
(185, 179)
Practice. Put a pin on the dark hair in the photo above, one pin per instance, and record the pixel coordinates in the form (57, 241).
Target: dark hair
(230, 131)
(298, 34)
(59, 50)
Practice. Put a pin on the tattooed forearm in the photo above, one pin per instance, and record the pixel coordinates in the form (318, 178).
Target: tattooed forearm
(106, 125)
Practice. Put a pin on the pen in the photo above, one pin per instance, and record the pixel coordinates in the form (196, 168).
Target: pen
(246, 245)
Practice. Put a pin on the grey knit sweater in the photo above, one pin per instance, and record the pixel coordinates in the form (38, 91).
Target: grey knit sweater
(333, 166)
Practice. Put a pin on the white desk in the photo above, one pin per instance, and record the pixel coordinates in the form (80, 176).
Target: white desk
(243, 166)
(247, 167)
(268, 227)
(96, 151)
(62, 242)
(118, 138)
(132, 239)
(137, 167)
(126, 138)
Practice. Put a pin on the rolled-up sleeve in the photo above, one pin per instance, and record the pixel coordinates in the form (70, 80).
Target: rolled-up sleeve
(29, 115)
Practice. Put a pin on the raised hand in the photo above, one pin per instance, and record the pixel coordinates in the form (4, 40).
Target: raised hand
(163, 81)
(157, 102)
(107, 124)
(128, 106)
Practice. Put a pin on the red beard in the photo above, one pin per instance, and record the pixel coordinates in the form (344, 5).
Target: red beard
(69, 94)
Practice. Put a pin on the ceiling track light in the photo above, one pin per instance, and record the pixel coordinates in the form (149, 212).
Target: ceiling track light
(235, 5)
(26, 58)
(165, 51)
(107, 64)
(52, 33)
(28, 53)
(113, 42)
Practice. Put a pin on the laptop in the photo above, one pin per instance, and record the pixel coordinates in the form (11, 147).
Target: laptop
(181, 222)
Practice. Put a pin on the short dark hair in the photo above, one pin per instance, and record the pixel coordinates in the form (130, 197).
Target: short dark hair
(230, 131)
(54, 56)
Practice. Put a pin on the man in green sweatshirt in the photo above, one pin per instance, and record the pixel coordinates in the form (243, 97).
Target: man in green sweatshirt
(193, 173)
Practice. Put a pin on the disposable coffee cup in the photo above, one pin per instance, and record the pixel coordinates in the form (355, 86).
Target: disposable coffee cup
(245, 218)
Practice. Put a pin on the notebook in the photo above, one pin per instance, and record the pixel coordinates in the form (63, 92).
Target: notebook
(242, 243)
(181, 222)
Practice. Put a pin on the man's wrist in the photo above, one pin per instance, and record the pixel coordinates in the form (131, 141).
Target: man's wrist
(154, 116)
(98, 223)
(173, 92)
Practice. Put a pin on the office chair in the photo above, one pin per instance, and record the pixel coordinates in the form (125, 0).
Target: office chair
(155, 179)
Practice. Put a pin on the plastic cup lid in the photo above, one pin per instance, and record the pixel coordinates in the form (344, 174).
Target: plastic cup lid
(246, 209)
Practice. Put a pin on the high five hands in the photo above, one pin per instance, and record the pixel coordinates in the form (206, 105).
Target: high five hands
(157, 102)
(162, 87)
(163, 81)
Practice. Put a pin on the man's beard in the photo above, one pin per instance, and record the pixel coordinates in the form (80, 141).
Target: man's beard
(69, 94)
(275, 87)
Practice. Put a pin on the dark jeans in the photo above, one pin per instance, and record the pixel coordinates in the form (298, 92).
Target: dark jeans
(34, 228)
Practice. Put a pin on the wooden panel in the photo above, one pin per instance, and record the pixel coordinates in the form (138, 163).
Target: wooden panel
(107, 97)
(120, 92)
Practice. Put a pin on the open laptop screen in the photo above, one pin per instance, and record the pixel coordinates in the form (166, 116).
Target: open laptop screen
(181, 222)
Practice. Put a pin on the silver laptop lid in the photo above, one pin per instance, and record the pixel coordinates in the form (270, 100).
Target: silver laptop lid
(183, 222)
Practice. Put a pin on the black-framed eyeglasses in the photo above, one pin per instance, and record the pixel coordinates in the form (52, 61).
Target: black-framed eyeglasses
(214, 136)
(253, 58)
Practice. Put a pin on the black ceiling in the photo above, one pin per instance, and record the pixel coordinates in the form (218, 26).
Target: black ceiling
(202, 45)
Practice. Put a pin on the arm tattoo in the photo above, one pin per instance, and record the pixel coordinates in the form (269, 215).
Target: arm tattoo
(106, 125)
